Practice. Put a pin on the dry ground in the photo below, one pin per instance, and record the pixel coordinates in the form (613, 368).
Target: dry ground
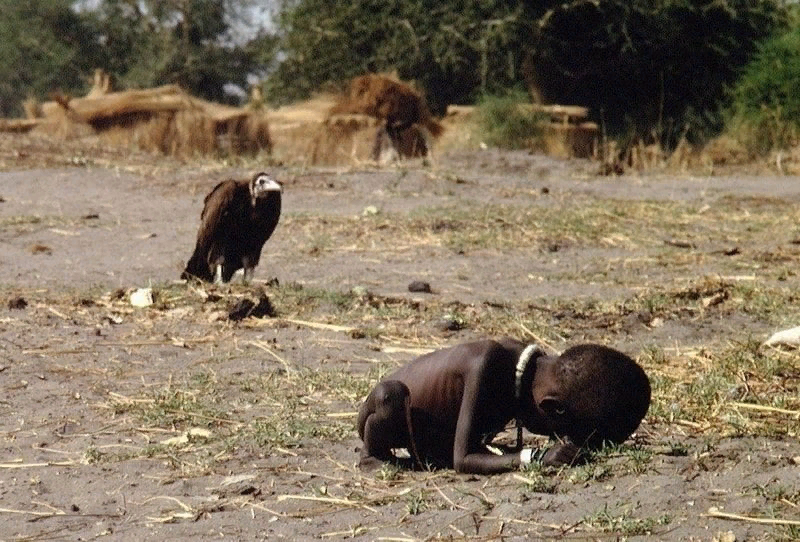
(172, 422)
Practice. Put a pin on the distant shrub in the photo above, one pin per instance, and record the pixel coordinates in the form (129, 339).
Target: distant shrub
(765, 101)
(507, 121)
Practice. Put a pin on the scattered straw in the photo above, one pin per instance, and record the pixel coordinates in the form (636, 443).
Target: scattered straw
(402, 350)
(57, 313)
(352, 533)
(258, 506)
(184, 506)
(30, 512)
(329, 500)
(445, 497)
(341, 414)
(172, 341)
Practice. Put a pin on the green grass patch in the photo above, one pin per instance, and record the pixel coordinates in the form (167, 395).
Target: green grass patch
(640, 225)
(623, 522)
(507, 121)
(741, 389)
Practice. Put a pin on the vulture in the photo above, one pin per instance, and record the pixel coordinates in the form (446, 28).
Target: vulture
(237, 219)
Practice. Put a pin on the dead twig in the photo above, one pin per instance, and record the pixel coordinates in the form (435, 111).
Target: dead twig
(445, 497)
(34, 465)
(30, 512)
(319, 325)
(261, 345)
(537, 338)
(713, 512)
(795, 413)
(329, 500)
(679, 243)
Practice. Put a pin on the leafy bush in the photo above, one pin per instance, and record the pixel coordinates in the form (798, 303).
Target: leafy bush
(765, 104)
(651, 69)
(504, 121)
(44, 46)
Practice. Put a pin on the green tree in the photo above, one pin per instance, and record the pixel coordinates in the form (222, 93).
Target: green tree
(765, 105)
(455, 50)
(188, 42)
(646, 68)
(46, 46)
(656, 70)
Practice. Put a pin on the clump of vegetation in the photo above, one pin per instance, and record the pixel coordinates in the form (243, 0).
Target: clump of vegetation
(504, 121)
(765, 111)
(624, 523)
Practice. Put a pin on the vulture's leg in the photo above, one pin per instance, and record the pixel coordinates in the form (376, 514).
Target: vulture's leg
(218, 274)
(248, 269)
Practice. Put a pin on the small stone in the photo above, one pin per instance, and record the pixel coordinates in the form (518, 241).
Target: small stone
(142, 297)
(245, 308)
(358, 333)
(241, 309)
(419, 286)
(449, 323)
(18, 303)
(656, 322)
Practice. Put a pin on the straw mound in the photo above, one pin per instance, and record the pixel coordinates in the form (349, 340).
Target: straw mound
(352, 128)
(164, 119)
(389, 99)
(342, 139)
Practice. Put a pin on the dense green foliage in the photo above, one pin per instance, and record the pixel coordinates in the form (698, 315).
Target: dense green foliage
(647, 69)
(190, 42)
(765, 105)
(455, 50)
(46, 46)
(656, 70)
(56, 45)
(505, 122)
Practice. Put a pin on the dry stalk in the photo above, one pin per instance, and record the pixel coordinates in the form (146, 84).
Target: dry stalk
(763, 408)
(263, 346)
(36, 465)
(319, 325)
(329, 500)
(713, 512)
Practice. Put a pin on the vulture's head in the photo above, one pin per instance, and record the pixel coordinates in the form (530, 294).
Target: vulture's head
(262, 185)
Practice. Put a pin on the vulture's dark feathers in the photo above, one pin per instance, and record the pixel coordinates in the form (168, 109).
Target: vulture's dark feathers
(237, 219)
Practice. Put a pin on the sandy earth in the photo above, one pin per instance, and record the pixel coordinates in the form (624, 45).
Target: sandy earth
(73, 362)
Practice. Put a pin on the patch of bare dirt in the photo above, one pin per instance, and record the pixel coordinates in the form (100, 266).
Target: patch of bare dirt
(159, 422)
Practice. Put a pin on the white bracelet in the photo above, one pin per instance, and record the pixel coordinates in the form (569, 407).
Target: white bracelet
(526, 456)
